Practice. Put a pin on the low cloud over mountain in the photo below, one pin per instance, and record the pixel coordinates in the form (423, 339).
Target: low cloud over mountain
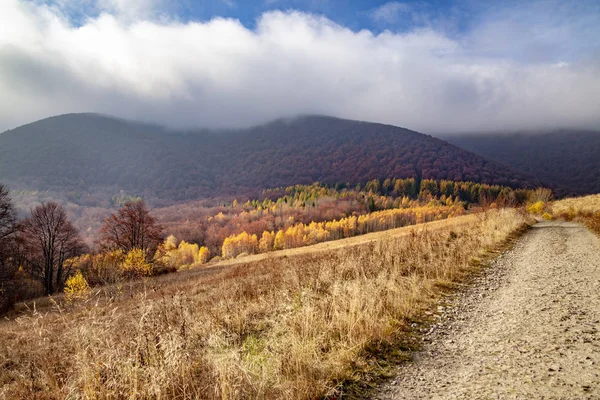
(141, 60)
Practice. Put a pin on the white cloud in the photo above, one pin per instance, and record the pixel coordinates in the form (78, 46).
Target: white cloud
(132, 8)
(124, 10)
(538, 31)
(230, 3)
(389, 12)
(219, 73)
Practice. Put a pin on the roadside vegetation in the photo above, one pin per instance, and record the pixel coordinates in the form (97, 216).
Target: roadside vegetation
(585, 209)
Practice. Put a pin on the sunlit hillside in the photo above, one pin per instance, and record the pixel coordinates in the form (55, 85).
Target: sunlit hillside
(295, 325)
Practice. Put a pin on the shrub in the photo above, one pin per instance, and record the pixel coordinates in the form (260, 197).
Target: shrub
(17, 287)
(27, 287)
(161, 269)
(76, 288)
(540, 195)
(593, 222)
(135, 264)
(537, 207)
(102, 268)
(547, 216)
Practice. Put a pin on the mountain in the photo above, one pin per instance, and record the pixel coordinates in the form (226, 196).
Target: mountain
(88, 153)
(568, 159)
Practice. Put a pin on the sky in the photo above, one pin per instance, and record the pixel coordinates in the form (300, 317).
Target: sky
(432, 66)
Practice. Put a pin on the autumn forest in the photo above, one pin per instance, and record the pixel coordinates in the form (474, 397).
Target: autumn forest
(45, 249)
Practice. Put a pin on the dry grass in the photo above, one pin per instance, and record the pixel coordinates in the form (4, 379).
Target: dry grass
(585, 204)
(293, 326)
(585, 209)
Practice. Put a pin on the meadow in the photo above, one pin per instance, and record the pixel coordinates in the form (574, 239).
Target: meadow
(301, 323)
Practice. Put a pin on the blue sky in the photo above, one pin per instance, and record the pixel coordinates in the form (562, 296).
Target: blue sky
(432, 66)
(356, 15)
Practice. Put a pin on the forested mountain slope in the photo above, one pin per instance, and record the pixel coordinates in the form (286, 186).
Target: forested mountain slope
(568, 159)
(88, 153)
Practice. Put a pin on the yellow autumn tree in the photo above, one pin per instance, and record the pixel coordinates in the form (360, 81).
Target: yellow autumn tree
(182, 255)
(135, 264)
(279, 242)
(203, 255)
(227, 249)
(170, 243)
(187, 253)
(235, 245)
(266, 242)
(76, 288)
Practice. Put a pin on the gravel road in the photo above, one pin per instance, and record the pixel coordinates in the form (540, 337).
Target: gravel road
(527, 329)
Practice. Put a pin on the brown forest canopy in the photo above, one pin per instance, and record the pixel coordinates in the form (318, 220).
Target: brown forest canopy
(84, 154)
(569, 160)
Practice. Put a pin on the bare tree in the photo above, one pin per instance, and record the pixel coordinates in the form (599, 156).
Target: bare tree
(132, 227)
(7, 214)
(49, 240)
(8, 266)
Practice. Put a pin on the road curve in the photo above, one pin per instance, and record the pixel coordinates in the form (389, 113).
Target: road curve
(529, 329)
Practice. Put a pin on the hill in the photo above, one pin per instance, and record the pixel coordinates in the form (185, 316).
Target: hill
(569, 159)
(88, 153)
(294, 325)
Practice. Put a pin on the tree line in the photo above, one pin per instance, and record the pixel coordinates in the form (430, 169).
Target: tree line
(39, 253)
(301, 234)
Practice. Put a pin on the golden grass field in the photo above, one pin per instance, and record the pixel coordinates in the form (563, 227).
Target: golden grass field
(584, 204)
(302, 323)
(585, 209)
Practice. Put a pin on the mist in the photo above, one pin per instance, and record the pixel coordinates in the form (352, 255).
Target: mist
(134, 60)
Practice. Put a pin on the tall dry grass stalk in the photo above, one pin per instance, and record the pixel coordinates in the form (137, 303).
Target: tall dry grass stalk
(284, 327)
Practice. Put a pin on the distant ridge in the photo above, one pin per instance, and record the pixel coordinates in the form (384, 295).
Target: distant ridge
(569, 159)
(93, 153)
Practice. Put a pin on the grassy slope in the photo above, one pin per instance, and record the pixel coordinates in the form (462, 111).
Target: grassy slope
(584, 204)
(585, 209)
(297, 324)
